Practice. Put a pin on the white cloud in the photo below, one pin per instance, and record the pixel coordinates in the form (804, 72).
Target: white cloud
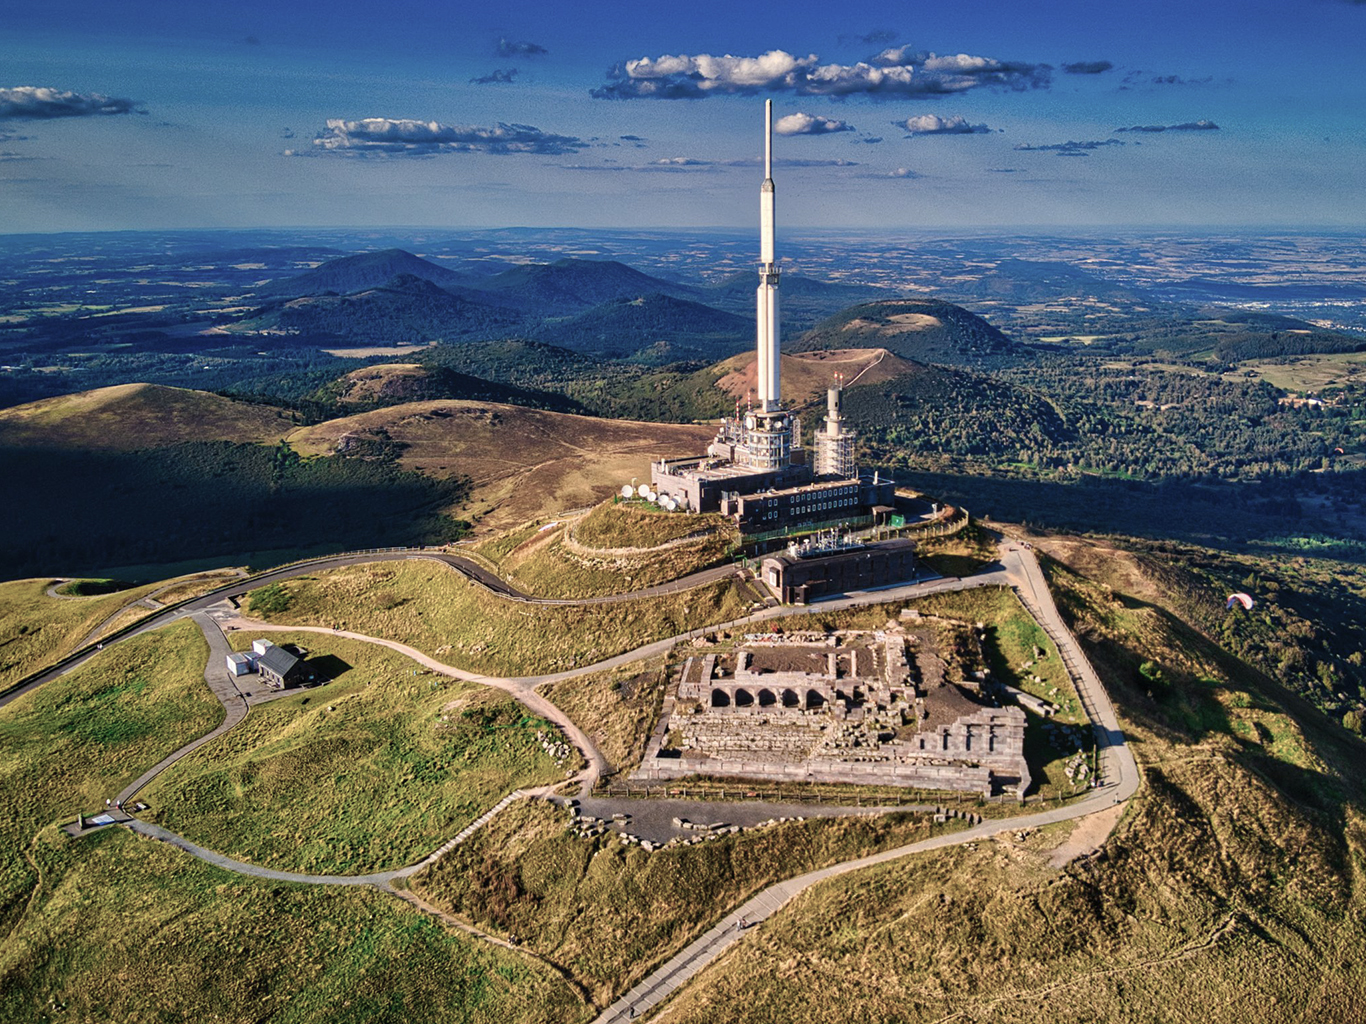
(382, 136)
(895, 72)
(31, 102)
(809, 124)
(933, 124)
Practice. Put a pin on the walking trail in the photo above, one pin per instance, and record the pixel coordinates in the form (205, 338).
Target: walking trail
(1018, 568)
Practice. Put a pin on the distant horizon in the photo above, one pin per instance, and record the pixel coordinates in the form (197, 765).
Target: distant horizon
(1011, 230)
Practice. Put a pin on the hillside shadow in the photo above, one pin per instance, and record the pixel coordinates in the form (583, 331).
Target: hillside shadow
(83, 510)
(327, 667)
(1182, 709)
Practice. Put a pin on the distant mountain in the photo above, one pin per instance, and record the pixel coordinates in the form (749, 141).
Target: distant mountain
(1201, 289)
(349, 274)
(570, 286)
(385, 384)
(804, 300)
(923, 330)
(653, 327)
(742, 285)
(1233, 335)
(403, 310)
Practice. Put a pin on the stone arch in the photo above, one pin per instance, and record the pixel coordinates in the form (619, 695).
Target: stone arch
(814, 699)
(767, 698)
(720, 699)
(790, 699)
(743, 699)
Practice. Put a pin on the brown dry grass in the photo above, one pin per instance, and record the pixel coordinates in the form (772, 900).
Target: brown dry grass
(195, 586)
(36, 630)
(545, 567)
(129, 416)
(806, 375)
(523, 463)
(365, 384)
(606, 913)
(428, 606)
(616, 710)
(638, 524)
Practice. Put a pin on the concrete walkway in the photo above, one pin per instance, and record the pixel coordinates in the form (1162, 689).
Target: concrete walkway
(1117, 762)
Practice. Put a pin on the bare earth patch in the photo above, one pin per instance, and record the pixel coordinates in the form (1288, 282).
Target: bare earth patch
(806, 375)
(1088, 836)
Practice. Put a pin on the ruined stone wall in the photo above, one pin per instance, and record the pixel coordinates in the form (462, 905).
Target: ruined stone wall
(967, 778)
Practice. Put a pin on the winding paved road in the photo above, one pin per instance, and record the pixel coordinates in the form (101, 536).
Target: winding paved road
(1118, 778)
(466, 567)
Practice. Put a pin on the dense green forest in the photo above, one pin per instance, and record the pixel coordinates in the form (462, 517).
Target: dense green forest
(1077, 414)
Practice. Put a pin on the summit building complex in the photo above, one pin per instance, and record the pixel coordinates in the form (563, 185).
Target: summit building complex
(756, 469)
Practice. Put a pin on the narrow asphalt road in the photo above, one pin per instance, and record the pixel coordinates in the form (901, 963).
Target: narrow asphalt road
(220, 682)
(462, 565)
(1018, 568)
(1119, 780)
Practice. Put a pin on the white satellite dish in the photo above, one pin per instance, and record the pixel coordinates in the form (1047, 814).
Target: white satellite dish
(627, 491)
(643, 490)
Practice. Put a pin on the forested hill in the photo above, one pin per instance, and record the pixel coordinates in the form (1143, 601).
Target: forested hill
(349, 274)
(938, 411)
(387, 384)
(517, 361)
(405, 309)
(569, 286)
(923, 330)
(625, 326)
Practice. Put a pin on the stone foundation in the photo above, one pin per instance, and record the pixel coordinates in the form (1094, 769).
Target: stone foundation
(862, 707)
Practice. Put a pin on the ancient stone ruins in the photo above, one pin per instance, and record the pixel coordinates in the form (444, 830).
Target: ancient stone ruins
(907, 705)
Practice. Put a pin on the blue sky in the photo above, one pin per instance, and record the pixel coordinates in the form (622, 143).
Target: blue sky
(968, 114)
